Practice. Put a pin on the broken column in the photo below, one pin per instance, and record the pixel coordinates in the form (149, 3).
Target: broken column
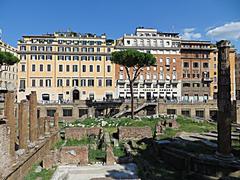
(56, 119)
(33, 131)
(224, 100)
(41, 122)
(11, 122)
(47, 126)
(23, 124)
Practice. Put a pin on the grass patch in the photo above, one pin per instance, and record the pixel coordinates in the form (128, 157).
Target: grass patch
(119, 151)
(44, 174)
(96, 155)
(81, 142)
(58, 144)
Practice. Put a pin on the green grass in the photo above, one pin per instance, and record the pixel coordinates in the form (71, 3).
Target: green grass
(75, 142)
(44, 174)
(96, 155)
(58, 144)
(119, 151)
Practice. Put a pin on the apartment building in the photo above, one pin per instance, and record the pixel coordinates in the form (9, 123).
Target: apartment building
(214, 72)
(8, 75)
(160, 81)
(66, 66)
(237, 76)
(197, 65)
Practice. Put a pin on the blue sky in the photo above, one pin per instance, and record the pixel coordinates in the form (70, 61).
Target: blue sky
(194, 19)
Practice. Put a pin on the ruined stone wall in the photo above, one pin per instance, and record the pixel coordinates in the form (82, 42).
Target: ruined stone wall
(4, 148)
(134, 133)
(25, 164)
(74, 155)
(80, 132)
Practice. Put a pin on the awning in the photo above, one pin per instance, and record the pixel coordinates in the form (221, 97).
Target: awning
(121, 95)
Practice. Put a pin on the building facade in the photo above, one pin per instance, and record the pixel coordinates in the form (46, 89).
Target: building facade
(237, 76)
(8, 75)
(160, 81)
(66, 66)
(196, 63)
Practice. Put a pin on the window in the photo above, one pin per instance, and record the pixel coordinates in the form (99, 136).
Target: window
(90, 49)
(195, 65)
(40, 57)
(22, 84)
(48, 83)
(67, 112)
(108, 58)
(160, 60)
(33, 68)
(75, 49)
(83, 68)
(186, 64)
(67, 68)
(91, 58)
(60, 57)
(83, 58)
(108, 68)
(167, 61)
(23, 68)
(205, 65)
(174, 60)
(59, 82)
(51, 112)
(68, 49)
(98, 58)
(108, 82)
(91, 68)
(67, 58)
(49, 48)
(98, 68)
(67, 82)
(75, 58)
(100, 82)
(75, 68)
(49, 57)
(45, 97)
(23, 48)
(33, 48)
(98, 49)
(41, 68)
(84, 49)
(60, 68)
(83, 82)
(33, 57)
(75, 82)
(23, 57)
(90, 82)
(41, 83)
(186, 84)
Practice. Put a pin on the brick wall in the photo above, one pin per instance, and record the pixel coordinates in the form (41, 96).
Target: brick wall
(4, 148)
(74, 155)
(134, 133)
(80, 132)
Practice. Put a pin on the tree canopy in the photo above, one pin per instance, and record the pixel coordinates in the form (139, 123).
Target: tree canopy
(8, 59)
(131, 58)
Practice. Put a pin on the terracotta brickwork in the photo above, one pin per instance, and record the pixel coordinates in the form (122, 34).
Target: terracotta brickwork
(134, 133)
(74, 155)
(33, 117)
(79, 132)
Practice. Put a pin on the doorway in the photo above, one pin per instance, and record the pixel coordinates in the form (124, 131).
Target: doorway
(76, 95)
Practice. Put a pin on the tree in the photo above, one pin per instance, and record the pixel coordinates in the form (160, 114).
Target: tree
(136, 61)
(7, 59)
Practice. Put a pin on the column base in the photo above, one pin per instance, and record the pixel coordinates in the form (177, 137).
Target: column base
(223, 157)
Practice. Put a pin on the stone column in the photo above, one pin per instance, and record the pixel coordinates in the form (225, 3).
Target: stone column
(224, 100)
(56, 119)
(33, 132)
(23, 124)
(41, 122)
(11, 121)
(47, 125)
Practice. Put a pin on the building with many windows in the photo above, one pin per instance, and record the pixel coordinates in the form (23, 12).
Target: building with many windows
(160, 81)
(196, 64)
(8, 74)
(66, 66)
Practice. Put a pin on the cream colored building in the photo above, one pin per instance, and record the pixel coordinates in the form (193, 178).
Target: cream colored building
(66, 66)
(8, 75)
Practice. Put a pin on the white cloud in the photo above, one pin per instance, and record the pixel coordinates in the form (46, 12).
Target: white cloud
(230, 31)
(188, 33)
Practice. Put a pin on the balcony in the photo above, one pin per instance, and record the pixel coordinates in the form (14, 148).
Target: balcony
(147, 81)
(161, 81)
(121, 81)
(206, 80)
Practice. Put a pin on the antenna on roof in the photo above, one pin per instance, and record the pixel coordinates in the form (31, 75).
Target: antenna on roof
(0, 34)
